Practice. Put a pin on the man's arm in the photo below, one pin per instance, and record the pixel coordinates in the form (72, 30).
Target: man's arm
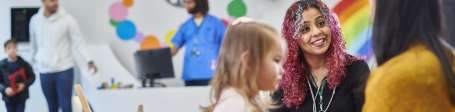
(33, 41)
(178, 40)
(78, 43)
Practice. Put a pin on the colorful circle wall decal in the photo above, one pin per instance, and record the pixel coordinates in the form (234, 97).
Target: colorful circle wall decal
(128, 3)
(139, 37)
(126, 29)
(118, 11)
(168, 38)
(113, 23)
(150, 42)
(237, 8)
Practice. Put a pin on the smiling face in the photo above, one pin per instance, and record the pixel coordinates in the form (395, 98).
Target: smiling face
(315, 35)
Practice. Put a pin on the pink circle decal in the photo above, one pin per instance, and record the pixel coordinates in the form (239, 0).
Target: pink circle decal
(118, 11)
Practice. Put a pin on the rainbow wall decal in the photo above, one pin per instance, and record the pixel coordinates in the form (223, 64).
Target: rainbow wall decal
(354, 17)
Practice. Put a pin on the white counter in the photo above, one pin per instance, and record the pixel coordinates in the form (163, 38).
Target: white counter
(172, 99)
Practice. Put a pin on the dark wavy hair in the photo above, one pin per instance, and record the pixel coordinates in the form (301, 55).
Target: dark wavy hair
(400, 23)
(294, 79)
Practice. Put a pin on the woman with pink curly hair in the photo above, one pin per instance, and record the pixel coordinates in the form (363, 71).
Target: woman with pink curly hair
(319, 76)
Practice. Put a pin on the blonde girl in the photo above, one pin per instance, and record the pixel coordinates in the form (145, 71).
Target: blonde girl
(249, 63)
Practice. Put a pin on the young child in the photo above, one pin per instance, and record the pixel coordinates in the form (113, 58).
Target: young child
(16, 76)
(249, 64)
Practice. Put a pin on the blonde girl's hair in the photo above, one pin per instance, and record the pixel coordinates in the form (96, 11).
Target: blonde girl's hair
(254, 39)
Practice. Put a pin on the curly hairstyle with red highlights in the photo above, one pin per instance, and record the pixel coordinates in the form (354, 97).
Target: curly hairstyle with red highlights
(295, 67)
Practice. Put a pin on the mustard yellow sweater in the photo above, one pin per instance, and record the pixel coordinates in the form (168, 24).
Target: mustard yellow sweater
(410, 82)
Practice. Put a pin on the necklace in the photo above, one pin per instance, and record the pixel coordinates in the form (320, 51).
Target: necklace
(319, 93)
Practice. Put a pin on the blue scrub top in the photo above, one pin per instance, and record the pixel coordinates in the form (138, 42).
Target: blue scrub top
(202, 44)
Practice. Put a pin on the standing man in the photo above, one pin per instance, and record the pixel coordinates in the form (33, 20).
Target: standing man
(202, 34)
(55, 36)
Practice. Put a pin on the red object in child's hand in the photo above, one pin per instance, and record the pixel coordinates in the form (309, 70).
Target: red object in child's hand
(13, 81)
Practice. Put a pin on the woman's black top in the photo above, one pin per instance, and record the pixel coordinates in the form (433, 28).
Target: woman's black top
(348, 97)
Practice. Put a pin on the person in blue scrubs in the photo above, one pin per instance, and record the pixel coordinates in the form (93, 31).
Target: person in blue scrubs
(202, 35)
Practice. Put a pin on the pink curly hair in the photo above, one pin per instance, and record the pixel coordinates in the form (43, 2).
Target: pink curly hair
(294, 79)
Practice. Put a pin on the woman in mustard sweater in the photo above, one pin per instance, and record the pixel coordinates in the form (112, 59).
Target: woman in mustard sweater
(416, 71)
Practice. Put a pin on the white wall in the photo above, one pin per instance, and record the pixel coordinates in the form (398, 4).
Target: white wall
(157, 17)
(151, 16)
